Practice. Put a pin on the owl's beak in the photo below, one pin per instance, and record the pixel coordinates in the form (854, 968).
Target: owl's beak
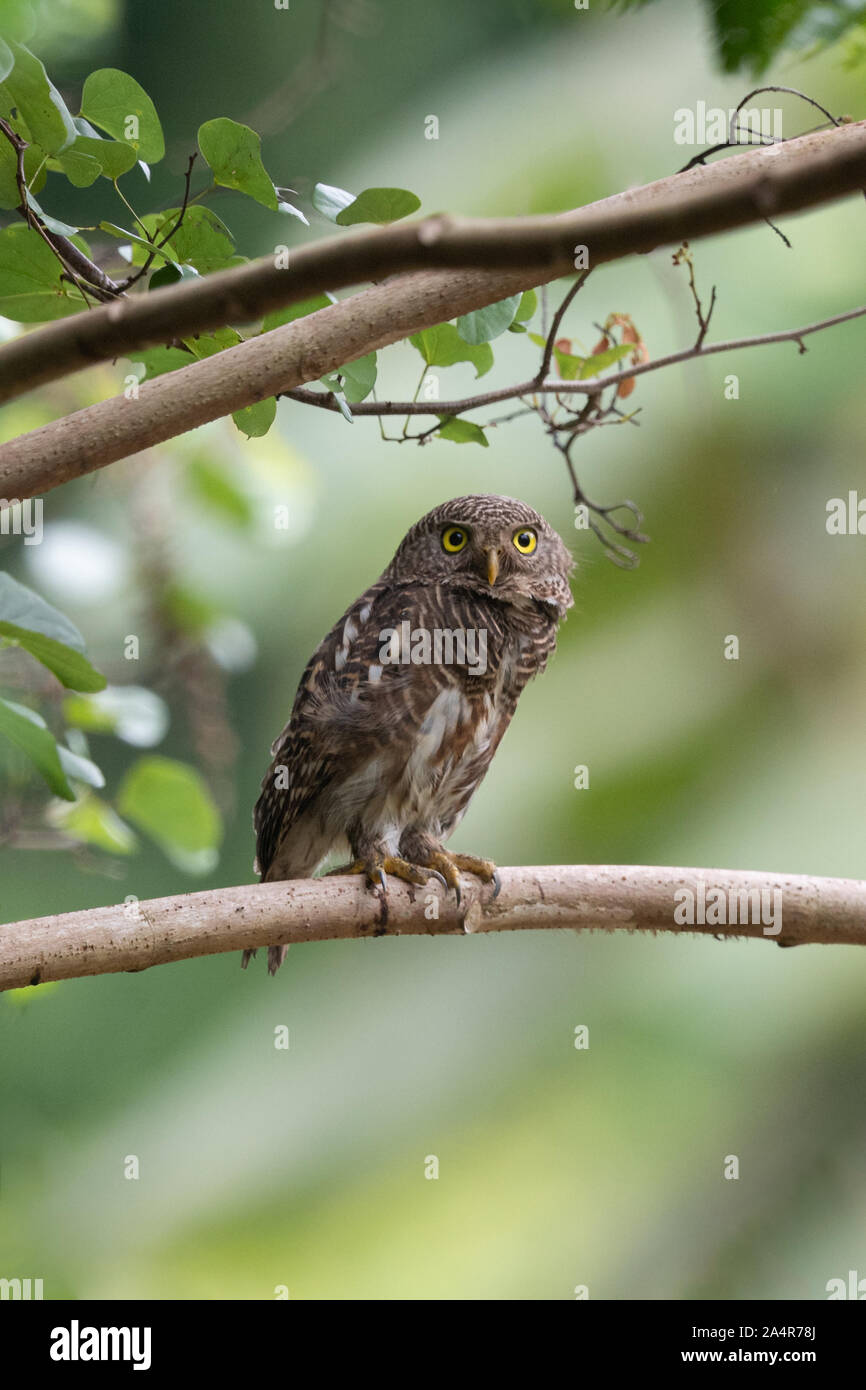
(492, 565)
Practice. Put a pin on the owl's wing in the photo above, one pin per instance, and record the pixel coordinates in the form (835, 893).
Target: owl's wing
(348, 700)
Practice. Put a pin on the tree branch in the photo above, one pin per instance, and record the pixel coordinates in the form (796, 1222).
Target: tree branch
(136, 935)
(743, 189)
(325, 400)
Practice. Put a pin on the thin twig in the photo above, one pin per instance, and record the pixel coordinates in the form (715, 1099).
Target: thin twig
(325, 401)
(554, 327)
(158, 245)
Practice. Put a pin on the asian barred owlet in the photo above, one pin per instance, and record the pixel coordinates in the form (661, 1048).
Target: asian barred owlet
(403, 704)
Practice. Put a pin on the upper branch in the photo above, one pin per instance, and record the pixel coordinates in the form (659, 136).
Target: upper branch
(740, 190)
(781, 178)
(790, 909)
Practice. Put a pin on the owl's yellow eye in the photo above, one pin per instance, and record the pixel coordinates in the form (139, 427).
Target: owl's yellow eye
(525, 540)
(454, 538)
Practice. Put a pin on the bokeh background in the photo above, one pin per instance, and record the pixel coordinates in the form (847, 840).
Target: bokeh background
(558, 1167)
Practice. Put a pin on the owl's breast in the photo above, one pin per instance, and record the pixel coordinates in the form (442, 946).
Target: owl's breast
(455, 744)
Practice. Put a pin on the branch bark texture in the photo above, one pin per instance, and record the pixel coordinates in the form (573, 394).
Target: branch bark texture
(133, 936)
(517, 253)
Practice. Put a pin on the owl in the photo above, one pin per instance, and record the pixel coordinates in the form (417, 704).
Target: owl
(403, 705)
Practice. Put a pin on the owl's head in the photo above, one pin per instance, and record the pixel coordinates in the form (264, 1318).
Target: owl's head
(493, 545)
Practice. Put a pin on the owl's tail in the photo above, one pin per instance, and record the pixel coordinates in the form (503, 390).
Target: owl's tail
(276, 956)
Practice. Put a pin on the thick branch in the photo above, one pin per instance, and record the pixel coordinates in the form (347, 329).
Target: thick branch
(527, 251)
(134, 936)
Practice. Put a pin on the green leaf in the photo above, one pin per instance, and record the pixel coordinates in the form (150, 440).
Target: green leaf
(26, 730)
(215, 488)
(38, 101)
(331, 201)
(29, 622)
(599, 360)
(482, 325)
(202, 240)
(750, 35)
(442, 346)
(277, 317)
(170, 802)
(7, 60)
(170, 275)
(333, 384)
(18, 20)
(113, 100)
(234, 153)
(255, 420)
(359, 377)
(131, 712)
(74, 765)
(144, 246)
(28, 994)
(462, 431)
(209, 344)
(115, 157)
(157, 361)
(292, 211)
(527, 306)
(378, 205)
(80, 168)
(52, 223)
(30, 286)
(92, 821)
(570, 366)
(10, 196)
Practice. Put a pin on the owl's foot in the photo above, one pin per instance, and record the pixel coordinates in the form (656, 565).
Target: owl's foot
(451, 866)
(376, 867)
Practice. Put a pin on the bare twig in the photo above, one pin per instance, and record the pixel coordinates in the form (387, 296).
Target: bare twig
(735, 130)
(554, 327)
(684, 257)
(324, 400)
(175, 228)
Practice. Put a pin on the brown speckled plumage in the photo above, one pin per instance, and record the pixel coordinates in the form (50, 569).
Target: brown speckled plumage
(382, 758)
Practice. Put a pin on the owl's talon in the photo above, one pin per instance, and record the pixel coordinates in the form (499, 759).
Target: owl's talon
(375, 871)
(452, 865)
